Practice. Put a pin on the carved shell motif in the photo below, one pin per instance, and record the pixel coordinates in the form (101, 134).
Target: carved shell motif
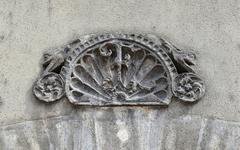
(123, 69)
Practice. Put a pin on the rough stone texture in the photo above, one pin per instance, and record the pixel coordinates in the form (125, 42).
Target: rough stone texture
(210, 28)
(122, 129)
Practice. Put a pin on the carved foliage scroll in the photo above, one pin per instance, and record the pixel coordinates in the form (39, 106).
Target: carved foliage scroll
(119, 69)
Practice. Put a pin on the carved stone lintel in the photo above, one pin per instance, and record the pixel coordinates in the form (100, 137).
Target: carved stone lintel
(119, 69)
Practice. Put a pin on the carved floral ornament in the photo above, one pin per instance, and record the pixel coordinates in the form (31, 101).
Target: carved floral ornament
(119, 69)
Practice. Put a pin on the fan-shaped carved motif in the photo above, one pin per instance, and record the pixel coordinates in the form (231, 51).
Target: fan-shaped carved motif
(121, 69)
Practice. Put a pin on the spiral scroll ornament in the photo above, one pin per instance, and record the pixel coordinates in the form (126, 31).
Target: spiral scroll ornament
(188, 87)
(49, 87)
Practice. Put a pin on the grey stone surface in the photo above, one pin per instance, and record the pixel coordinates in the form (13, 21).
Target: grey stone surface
(121, 130)
(209, 27)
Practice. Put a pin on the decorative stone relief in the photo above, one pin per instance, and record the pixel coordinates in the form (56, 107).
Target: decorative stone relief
(119, 69)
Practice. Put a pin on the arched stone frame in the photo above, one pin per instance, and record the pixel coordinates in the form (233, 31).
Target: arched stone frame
(67, 73)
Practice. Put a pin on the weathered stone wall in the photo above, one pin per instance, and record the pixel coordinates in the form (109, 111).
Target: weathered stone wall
(210, 28)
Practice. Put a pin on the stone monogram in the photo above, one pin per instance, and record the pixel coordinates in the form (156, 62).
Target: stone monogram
(119, 69)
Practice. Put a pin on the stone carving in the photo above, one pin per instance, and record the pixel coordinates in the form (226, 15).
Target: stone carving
(49, 87)
(119, 69)
(188, 87)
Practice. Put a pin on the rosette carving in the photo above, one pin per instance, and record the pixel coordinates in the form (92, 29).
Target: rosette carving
(49, 87)
(188, 87)
(119, 69)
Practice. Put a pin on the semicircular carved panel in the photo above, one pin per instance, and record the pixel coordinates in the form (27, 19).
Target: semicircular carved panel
(119, 69)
